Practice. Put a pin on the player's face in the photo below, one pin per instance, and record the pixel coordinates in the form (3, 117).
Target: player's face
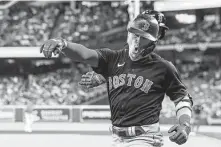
(136, 46)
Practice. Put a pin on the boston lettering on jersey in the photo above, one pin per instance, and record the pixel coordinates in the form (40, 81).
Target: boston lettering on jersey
(127, 79)
(137, 89)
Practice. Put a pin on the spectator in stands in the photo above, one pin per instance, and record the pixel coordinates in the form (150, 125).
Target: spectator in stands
(197, 116)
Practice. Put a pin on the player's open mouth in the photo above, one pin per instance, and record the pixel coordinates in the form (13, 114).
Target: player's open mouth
(138, 53)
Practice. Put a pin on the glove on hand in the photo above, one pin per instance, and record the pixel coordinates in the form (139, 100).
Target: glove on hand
(53, 46)
(91, 79)
(181, 133)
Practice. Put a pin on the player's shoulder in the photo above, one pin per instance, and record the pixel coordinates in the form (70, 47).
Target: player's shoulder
(164, 64)
(161, 60)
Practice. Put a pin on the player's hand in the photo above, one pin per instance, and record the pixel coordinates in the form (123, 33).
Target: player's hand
(181, 133)
(91, 79)
(52, 46)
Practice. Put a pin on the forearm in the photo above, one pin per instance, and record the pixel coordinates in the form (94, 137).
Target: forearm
(184, 115)
(184, 110)
(183, 129)
(75, 51)
(80, 53)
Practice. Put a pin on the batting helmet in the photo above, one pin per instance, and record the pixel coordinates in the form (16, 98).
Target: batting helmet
(144, 25)
(161, 21)
(158, 16)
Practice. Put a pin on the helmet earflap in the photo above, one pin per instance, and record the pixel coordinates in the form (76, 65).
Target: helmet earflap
(162, 33)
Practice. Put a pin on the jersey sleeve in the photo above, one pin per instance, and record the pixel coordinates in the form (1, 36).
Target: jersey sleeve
(176, 89)
(105, 57)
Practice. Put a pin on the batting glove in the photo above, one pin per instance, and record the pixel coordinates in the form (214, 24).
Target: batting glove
(91, 79)
(53, 46)
(181, 133)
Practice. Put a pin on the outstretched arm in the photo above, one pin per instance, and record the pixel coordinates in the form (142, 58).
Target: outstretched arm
(74, 51)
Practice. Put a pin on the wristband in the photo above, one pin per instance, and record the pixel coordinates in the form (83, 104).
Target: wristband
(62, 43)
(65, 43)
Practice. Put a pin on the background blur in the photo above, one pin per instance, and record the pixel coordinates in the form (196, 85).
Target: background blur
(192, 44)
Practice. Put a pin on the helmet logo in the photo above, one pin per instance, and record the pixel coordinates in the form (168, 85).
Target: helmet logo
(145, 26)
(160, 18)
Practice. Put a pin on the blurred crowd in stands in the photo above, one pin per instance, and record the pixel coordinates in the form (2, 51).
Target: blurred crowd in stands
(205, 88)
(207, 32)
(59, 87)
(29, 25)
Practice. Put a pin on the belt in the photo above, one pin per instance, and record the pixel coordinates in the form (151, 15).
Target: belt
(127, 131)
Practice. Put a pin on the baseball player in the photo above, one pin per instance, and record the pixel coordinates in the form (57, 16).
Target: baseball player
(197, 116)
(28, 117)
(137, 81)
(92, 79)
